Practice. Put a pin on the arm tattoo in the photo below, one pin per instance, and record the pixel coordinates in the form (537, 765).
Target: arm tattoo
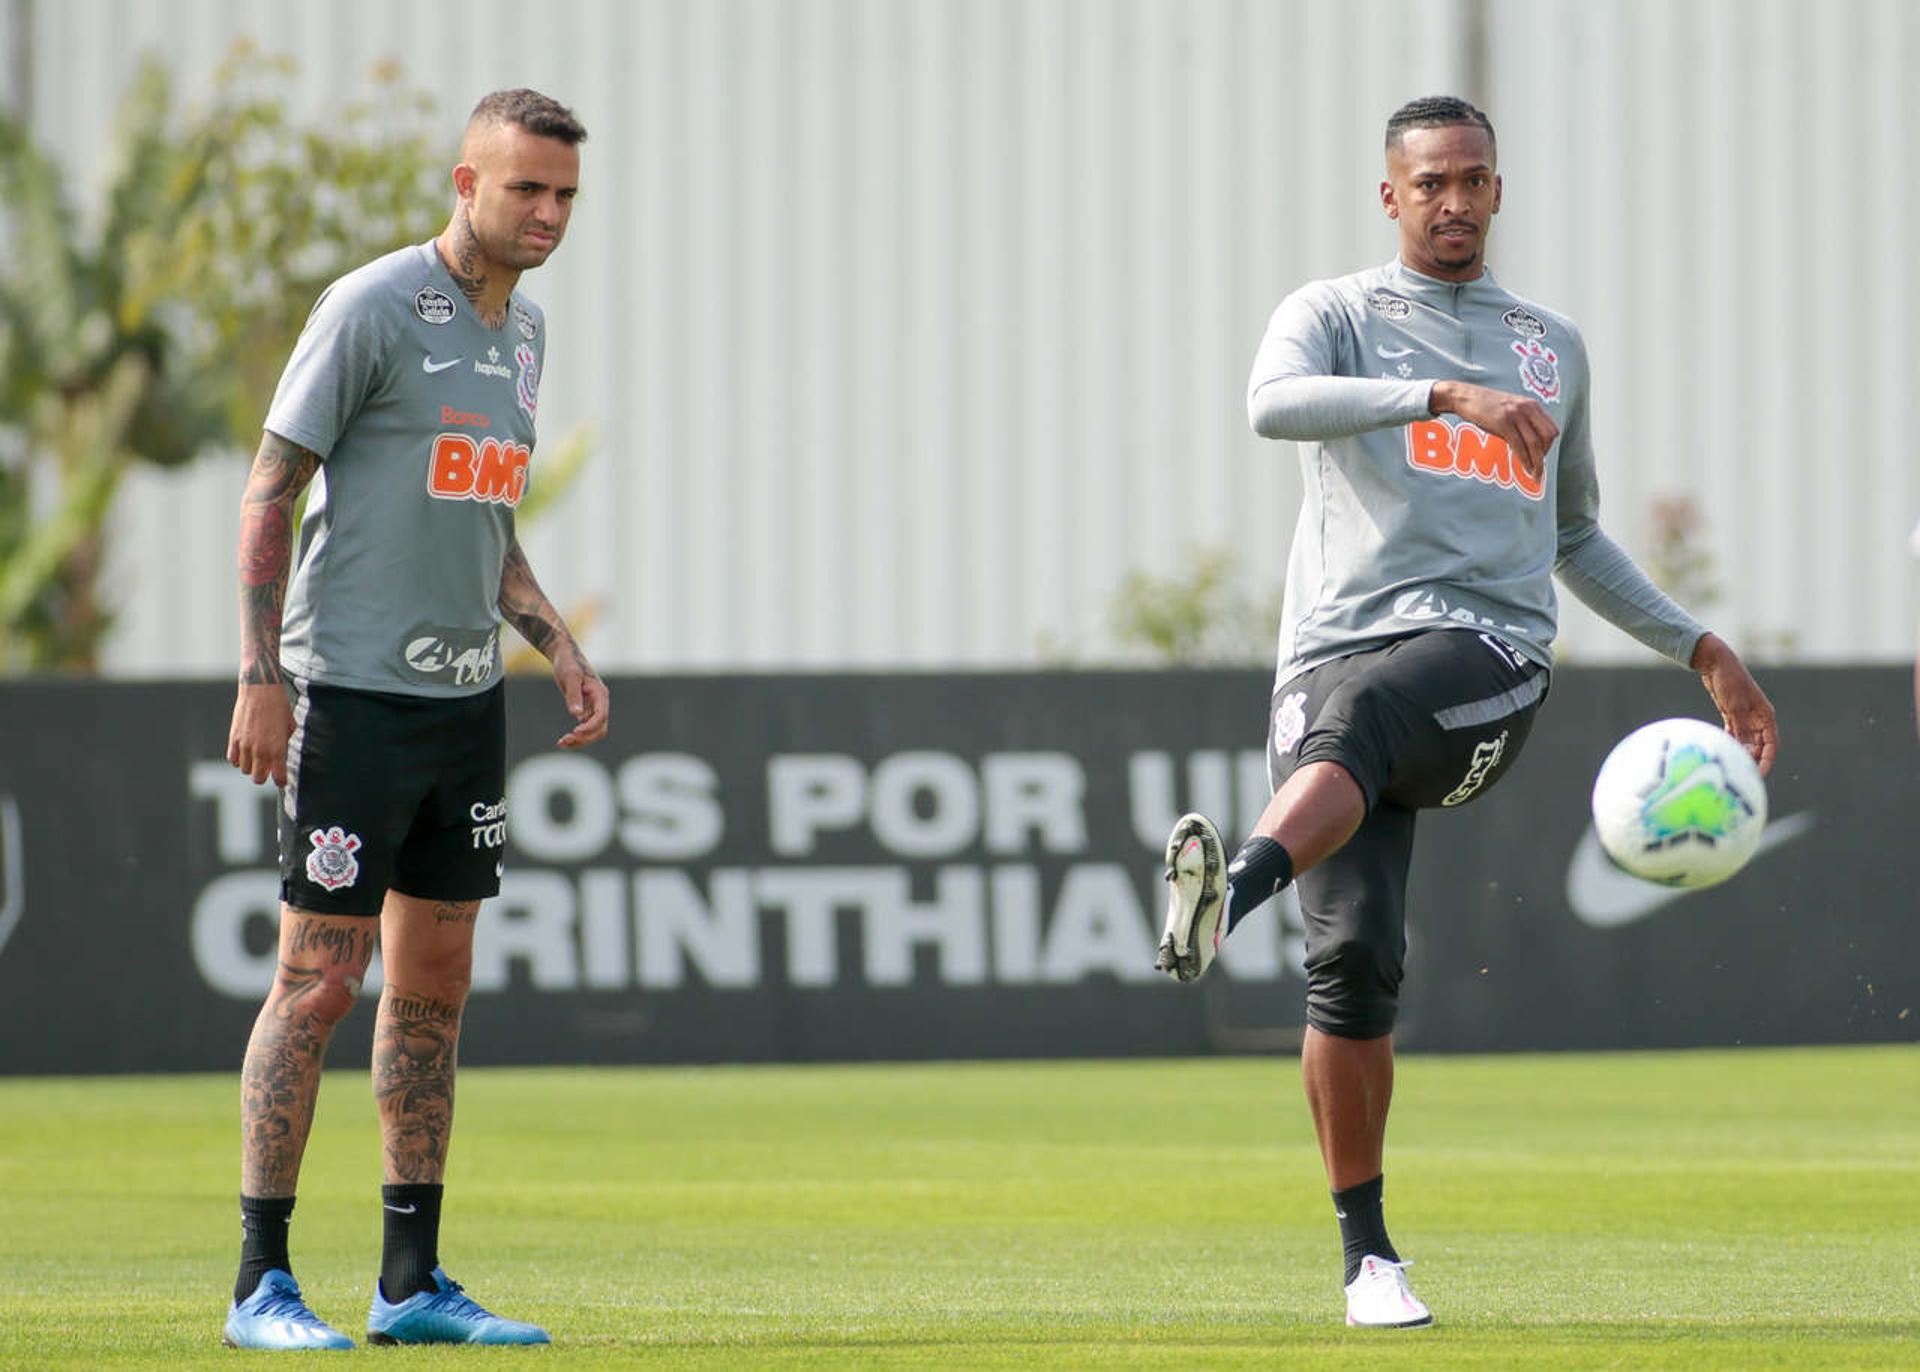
(468, 273)
(414, 1050)
(526, 607)
(281, 470)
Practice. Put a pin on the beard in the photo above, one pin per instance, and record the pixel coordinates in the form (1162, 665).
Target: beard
(1457, 252)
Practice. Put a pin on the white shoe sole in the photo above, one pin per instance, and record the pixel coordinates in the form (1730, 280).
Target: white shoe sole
(1196, 865)
(1426, 1323)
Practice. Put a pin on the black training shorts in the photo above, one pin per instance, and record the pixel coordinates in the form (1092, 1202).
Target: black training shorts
(1427, 721)
(389, 791)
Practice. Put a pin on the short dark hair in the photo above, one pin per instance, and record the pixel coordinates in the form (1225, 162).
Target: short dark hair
(1435, 112)
(528, 109)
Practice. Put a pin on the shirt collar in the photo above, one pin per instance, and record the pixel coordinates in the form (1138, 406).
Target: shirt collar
(1432, 288)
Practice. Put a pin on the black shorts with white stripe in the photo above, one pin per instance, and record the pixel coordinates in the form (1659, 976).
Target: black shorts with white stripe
(1431, 720)
(391, 792)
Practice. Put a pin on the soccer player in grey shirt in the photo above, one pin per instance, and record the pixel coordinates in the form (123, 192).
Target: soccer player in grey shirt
(370, 691)
(1444, 439)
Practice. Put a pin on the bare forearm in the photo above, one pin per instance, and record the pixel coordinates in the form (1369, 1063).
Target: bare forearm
(281, 470)
(526, 607)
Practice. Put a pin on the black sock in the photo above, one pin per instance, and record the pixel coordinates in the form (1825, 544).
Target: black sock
(263, 1241)
(1258, 873)
(1363, 1229)
(412, 1245)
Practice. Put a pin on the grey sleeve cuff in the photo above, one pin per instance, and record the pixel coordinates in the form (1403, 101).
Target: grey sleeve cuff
(1600, 573)
(1317, 408)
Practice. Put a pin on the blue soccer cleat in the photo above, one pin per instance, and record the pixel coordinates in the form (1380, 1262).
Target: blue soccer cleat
(274, 1316)
(443, 1316)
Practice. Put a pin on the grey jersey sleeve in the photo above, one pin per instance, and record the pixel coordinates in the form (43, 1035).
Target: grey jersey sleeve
(335, 366)
(1598, 570)
(1297, 390)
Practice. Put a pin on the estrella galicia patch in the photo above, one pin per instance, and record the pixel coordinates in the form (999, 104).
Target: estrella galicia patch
(332, 864)
(1388, 305)
(1524, 322)
(523, 320)
(436, 307)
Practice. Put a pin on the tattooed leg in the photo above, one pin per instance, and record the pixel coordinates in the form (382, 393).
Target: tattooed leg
(323, 959)
(416, 1035)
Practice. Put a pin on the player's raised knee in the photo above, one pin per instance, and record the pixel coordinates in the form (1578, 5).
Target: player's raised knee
(1353, 990)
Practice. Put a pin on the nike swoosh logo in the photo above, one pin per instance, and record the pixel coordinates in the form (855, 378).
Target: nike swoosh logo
(1391, 353)
(401, 1209)
(429, 366)
(1605, 897)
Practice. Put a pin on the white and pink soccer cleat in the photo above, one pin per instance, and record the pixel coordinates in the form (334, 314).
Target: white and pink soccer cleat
(1196, 899)
(1379, 1297)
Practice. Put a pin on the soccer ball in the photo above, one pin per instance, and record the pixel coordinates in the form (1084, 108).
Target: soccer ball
(1679, 802)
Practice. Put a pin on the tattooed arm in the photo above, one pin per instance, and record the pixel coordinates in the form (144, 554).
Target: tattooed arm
(262, 719)
(526, 607)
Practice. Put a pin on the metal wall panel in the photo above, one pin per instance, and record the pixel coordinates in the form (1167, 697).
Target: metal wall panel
(908, 327)
(1711, 189)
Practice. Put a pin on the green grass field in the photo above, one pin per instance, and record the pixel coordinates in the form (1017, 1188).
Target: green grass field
(1726, 1210)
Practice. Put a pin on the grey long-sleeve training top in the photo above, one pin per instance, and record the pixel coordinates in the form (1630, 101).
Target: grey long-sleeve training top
(1413, 520)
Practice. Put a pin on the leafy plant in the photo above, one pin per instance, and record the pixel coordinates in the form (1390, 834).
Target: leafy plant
(1200, 615)
(160, 334)
(1679, 560)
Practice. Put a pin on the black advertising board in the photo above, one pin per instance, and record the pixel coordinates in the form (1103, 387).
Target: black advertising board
(826, 867)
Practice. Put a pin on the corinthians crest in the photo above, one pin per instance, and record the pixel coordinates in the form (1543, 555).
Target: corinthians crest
(1289, 721)
(332, 863)
(1539, 370)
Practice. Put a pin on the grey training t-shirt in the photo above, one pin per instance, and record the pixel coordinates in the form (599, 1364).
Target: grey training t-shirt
(1412, 520)
(424, 421)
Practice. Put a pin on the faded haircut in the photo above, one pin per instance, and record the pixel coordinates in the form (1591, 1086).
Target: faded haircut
(538, 114)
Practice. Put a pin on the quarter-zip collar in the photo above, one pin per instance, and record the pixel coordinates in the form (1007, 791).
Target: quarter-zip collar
(1446, 295)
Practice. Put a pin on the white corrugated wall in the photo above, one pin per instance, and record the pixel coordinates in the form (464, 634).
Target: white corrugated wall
(910, 326)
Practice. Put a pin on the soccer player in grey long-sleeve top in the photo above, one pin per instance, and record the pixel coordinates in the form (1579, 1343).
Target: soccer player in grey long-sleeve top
(1449, 475)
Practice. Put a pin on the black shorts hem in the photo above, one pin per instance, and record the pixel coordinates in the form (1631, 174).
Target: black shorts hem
(1359, 1033)
(328, 905)
(476, 896)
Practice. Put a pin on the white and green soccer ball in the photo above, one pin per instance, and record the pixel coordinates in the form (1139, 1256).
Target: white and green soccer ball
(1679, 802)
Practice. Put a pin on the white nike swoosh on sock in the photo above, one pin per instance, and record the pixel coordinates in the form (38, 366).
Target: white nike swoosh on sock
(401, 1209)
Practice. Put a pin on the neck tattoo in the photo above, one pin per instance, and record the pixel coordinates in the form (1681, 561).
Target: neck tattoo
(470, 276)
